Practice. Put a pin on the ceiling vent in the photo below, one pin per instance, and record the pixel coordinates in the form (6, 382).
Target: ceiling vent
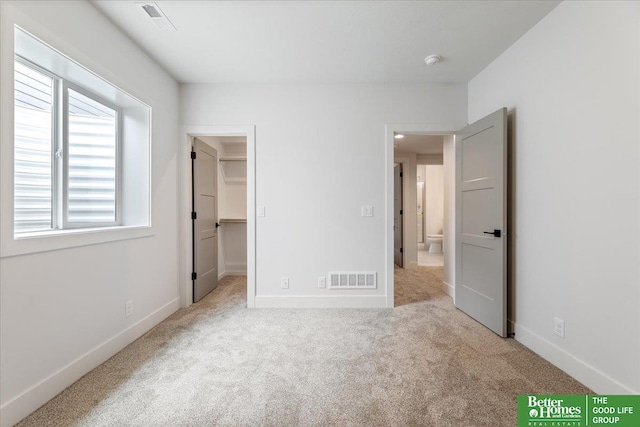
(153, 11)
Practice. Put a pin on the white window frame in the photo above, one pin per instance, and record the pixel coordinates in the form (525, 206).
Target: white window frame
(60, 154)
(137, 198)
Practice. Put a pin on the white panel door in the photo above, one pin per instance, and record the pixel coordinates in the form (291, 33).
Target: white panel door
(205, 232)
(481, 221)
(397, 215)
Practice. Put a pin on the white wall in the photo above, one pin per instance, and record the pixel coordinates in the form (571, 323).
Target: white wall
(434, 203)
(571, 85)
(320, 157)
(236, 205)
(420, 194)
(62, 311)
(234, 242)
(234, 236)
(236, 192)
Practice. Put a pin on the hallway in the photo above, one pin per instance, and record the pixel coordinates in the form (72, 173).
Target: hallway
(428, 259)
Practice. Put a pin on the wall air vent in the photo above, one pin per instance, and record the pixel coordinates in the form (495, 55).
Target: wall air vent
(153, 11)
(352, 280)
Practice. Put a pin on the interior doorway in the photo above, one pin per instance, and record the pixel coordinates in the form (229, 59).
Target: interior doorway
(235, 206)
(446, 152)
(423, 239)
(477, 219)
(219, 214)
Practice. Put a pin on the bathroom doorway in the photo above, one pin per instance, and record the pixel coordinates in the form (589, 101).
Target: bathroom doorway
(430, 215)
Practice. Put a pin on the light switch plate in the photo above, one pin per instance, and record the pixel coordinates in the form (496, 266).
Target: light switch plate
(260, 210)
(367, 211)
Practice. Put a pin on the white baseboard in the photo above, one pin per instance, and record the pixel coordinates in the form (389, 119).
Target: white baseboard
(321, 301)
(448, 289)
(235, 266)
(22, 405)
(412, 265)
(597, 381)
(232, 273)
(236, 273)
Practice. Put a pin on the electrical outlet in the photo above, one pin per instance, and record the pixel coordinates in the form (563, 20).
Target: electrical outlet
(284, 283)
(558, 327)
(322, 282)
(128, 308)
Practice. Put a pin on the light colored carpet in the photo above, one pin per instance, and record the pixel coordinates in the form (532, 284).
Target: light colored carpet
(217, 363)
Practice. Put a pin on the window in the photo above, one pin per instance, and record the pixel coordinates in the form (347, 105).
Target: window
(34, 143)
(66, 154)
(81, 155)
(92, 147)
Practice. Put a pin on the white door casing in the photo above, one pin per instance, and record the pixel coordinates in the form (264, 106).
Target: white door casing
(185, 243)
(205, 207)
(481, 221)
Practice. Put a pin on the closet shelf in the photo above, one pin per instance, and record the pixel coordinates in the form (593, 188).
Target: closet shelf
(233, 158)
(232, 220)
(234, 168)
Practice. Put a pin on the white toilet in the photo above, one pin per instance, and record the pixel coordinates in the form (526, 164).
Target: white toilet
(435, 243)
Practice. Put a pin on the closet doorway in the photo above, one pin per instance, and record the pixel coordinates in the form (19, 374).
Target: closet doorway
(219, 215)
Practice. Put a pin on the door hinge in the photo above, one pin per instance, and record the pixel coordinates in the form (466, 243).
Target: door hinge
(194, 276)
(194, 215)
(401, 174)
(400, 211)
(401, 250)
(193, 155)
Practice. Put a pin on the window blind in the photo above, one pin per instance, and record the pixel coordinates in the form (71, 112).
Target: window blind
(33, 151)
(91, 182)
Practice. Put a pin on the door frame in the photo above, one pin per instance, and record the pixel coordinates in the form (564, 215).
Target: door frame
(390, 130)
(185, 238)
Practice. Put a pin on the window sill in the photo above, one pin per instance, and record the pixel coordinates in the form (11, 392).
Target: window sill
(51, 240)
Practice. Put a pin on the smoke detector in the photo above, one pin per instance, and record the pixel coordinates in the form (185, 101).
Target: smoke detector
(153, 11)
(432, 59)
